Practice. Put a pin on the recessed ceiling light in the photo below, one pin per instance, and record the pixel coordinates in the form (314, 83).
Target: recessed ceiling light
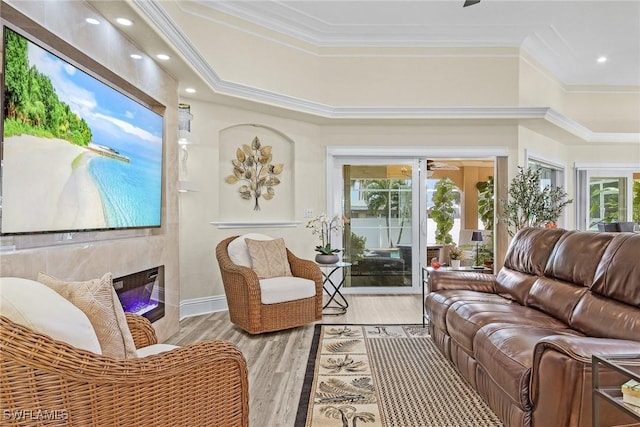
(190, 90)
(135, 56)
(124, 21)
(162, 56)
(602, 59)
(92, 21)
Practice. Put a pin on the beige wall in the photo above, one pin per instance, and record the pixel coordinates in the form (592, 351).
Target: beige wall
(537, 87)
(199, 271)
(198, 238)
(81, 256)
(605, 110)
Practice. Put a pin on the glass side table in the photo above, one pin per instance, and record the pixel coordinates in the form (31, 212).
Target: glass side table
(332, 286)
(628, 366)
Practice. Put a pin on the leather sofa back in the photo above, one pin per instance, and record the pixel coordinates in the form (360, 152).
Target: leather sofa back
(611, 308)
(619, 269)
(590, 281)
(576, 256)
(525, 261)
(569, 273)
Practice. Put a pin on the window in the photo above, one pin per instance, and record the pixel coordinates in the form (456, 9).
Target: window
(551, 174)
(606, 194)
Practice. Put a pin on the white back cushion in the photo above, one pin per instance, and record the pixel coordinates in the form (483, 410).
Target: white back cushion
(238, 251)
(43, 310)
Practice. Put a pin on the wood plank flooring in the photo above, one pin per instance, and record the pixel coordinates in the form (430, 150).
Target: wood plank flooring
(277, 360)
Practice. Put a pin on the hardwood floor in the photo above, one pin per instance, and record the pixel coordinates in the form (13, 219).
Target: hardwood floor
(277, 360)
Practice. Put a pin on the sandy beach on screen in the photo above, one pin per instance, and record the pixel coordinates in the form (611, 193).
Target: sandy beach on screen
(46, 185)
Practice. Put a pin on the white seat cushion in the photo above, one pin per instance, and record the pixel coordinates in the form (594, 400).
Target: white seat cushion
(41, 309)
(283, 289)
(238, 250)
(154, 349)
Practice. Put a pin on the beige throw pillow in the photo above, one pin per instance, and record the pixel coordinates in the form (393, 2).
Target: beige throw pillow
(269, 258)
(98, 300)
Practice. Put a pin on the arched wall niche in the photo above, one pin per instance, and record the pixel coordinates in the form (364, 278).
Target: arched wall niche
(233, 208)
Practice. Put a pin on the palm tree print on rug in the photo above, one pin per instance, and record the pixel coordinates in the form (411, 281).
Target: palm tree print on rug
(343, 392)
(372, 375)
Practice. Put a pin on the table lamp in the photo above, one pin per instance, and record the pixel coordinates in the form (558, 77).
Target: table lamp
(476, 236)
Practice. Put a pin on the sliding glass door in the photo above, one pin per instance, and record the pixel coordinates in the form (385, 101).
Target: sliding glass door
(403, 211)
(379, 237)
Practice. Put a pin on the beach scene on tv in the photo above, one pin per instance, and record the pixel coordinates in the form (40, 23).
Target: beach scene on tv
(77, 154)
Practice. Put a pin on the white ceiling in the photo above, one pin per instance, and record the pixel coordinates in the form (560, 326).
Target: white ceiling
(566, 36)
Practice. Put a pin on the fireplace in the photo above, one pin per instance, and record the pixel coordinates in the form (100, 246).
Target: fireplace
(142, 293)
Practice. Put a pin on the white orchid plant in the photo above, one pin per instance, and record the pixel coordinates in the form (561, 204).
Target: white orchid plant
(324, 227)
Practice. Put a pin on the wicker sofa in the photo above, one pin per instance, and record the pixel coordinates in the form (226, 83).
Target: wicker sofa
(524, 338)
(47, 381)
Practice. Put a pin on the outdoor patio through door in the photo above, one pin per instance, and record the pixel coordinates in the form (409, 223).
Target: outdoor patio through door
(394, 221)
(378, 238)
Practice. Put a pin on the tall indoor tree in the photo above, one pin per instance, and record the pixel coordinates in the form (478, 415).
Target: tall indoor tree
(530, 204)
(443, 210)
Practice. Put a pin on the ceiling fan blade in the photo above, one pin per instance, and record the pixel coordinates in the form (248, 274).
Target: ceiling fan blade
(470, 2)
(431, 165)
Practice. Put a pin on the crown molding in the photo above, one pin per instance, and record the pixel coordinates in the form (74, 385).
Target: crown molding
(171, 31)
(584, 133)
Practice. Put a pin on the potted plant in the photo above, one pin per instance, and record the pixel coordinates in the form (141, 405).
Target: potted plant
(485, 202)
(456, 254)
(324, 227)
(485, 255)
(529, 204)
(443, 210)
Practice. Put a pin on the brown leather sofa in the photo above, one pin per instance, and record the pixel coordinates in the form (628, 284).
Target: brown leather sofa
(524, 338)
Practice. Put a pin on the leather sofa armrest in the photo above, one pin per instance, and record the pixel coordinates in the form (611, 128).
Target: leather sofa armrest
(467, 280)
(561, 377)
(582, 348)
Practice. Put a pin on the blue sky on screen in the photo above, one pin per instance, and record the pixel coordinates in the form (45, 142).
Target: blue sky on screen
(115, 120)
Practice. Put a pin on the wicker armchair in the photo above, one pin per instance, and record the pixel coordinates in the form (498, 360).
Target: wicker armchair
(242, 289)
(48, 382)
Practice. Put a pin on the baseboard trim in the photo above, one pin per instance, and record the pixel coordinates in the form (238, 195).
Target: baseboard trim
(204, 305)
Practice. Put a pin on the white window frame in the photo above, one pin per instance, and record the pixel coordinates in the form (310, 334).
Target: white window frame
(621, 170)
(559, 166)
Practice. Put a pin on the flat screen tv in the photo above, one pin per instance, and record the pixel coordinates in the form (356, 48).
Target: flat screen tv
(77, 154)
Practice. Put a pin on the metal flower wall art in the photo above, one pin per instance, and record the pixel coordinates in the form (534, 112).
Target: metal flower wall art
(252, 167)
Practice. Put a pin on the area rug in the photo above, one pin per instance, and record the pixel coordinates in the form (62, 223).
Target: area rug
(385, 376)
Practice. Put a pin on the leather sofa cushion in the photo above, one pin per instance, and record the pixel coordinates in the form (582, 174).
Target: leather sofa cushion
(555, 298)
(505, 353)
(437, 303)
(576, 257)
(618, 268)
(465, 319)
(598, 316)
(521, 256)
(514, 284)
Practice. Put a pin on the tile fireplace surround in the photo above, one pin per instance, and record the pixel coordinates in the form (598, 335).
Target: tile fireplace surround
(90, 261)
